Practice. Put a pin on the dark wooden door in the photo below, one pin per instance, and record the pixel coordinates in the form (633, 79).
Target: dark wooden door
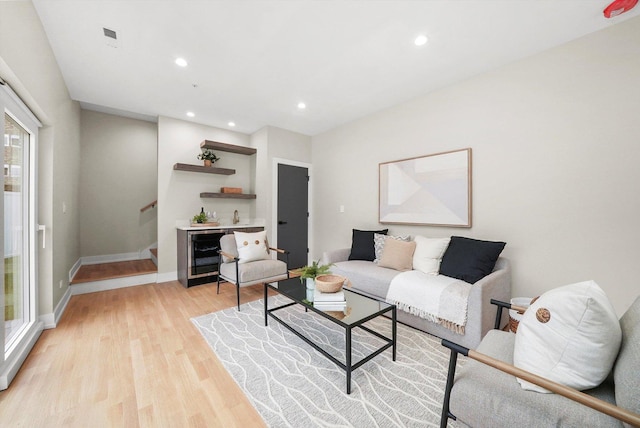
(293, 215)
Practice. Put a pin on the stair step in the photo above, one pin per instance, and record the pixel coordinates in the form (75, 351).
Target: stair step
(113, 270)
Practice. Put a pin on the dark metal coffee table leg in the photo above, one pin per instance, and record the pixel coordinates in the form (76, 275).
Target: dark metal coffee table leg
(265, 304)
(348, 359)
(393, 331)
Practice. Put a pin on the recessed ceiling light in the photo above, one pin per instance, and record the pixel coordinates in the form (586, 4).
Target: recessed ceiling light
(190, 114)
(302, 106)
(231, 124)
(181, 62)
(420, 40)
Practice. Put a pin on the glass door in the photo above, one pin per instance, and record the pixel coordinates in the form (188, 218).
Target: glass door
(19, 324)
(16, 230)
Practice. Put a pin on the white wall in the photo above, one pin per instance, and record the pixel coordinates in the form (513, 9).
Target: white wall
(555, 163)
(118, 176)
(28, 64)
(179, 191)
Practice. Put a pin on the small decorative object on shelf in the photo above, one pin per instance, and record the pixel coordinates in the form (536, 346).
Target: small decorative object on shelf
(235, 190)
(208, 157)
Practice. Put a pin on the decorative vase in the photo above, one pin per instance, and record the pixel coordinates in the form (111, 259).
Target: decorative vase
(207, 162)
(311, 286)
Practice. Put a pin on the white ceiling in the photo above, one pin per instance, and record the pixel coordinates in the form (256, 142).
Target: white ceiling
(253, 61)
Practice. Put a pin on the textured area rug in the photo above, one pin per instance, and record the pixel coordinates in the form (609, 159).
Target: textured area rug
(293, 385)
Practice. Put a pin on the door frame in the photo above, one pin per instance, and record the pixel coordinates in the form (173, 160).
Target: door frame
(11, 360)
(274, 206)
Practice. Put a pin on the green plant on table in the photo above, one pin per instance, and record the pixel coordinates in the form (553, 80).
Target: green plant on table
(314, 269)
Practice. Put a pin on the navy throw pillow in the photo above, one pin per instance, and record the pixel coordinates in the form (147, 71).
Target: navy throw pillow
(470, 259)
(362, 247)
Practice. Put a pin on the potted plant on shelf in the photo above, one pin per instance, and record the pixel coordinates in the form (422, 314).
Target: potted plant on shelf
(208, 157)
(310, 272)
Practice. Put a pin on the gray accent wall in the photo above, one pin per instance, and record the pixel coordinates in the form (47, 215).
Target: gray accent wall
(556, 149)
(28, 65)
(118, 176)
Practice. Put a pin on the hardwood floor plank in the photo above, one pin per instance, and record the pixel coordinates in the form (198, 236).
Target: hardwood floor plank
(130, 357)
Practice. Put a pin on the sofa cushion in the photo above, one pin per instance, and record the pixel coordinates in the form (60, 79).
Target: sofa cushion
(366, 277)
(428, 254)
(570, 335)
(261, 271)
(398, 255)
(362, 244)
(379, 240)
(470, 259)
(626, 373)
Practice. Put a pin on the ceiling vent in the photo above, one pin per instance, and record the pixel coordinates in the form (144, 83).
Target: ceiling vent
(111, 37)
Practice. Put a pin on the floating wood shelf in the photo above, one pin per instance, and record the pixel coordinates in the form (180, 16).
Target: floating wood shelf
(224, 147)
(205, 169)
(227, 195)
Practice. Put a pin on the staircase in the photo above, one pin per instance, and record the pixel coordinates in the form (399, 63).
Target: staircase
(108, 276)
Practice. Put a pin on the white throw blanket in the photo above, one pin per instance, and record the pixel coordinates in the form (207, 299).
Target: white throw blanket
(437, 298)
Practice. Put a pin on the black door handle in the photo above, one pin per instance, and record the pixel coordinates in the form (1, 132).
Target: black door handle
(282, 222)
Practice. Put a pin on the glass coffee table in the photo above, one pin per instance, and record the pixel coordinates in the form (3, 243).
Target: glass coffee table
(361, 309)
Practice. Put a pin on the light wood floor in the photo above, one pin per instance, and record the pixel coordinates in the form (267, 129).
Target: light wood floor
(130, 358)
(101, 271)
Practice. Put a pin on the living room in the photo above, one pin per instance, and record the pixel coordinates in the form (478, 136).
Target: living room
(554, 160)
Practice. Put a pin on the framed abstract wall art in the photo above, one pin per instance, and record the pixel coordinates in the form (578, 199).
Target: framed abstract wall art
(430, 190)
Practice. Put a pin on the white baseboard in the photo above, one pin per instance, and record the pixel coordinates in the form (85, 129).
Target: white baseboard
(112, 284)
(168, 276)
(51, 320)
(108, 258)
(74, 269)
(10, 367)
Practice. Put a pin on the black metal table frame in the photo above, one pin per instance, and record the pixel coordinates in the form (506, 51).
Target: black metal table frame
(347, 366)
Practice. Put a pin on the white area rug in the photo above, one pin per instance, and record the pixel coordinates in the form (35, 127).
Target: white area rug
(293, 385)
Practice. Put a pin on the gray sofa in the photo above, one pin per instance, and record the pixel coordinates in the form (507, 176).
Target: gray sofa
(480, 390)
(369, 278)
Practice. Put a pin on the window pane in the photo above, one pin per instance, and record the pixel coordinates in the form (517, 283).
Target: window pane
(15, 289)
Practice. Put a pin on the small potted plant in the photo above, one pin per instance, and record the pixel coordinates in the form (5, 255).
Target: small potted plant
(200, 218)
(208, 157)
(309, 274)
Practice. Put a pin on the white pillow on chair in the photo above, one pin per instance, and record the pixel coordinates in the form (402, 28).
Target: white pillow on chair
(570, 335)
(252, 246)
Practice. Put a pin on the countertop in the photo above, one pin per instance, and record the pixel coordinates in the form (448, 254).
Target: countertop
(187, 226)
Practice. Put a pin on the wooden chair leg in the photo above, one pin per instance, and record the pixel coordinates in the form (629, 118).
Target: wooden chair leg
(238, 293)
(218, 292)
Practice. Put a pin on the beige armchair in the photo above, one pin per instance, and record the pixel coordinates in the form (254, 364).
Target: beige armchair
(250, 273)
(486, 393)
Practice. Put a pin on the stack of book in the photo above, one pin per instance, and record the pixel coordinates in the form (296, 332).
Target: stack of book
(329, 301)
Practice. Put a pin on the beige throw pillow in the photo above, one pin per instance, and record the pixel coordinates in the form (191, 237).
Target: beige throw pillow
(379, 240)
(397, 255)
